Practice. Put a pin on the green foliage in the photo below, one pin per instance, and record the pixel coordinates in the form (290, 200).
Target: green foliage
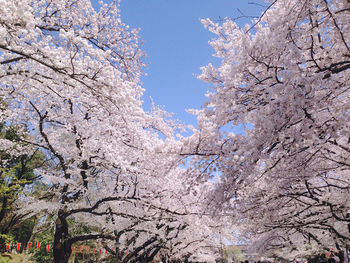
(233, 253)
(5, 238)
(15, 171)
(5, 259)
(46, 238)
(13, 258)
(16, 174)
(11, 133)
(23, 231)
(317, 258)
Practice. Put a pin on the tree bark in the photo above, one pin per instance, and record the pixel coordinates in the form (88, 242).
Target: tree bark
(61, 248)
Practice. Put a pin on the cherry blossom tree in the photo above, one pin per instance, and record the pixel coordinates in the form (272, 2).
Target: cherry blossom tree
(69, 76)
(285, 79)
(171, 225)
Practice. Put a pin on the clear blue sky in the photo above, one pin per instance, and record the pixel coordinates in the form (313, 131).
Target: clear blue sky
(176, 44)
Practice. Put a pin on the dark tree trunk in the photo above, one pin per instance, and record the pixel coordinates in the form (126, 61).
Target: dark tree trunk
(61, 248)
(3, 208)
(341, 256)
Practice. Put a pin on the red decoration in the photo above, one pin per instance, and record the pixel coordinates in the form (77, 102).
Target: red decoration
(8, 246)
(29, 245)
(48, 248)
(100, 251)
(18, 246)
(73, 249)
(81, 248)
(38, 245)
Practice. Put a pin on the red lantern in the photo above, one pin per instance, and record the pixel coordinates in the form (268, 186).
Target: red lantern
(29, 245)
(38, 245)
(48, 248)
(18, 246)
(73, 249)
(8, 246)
